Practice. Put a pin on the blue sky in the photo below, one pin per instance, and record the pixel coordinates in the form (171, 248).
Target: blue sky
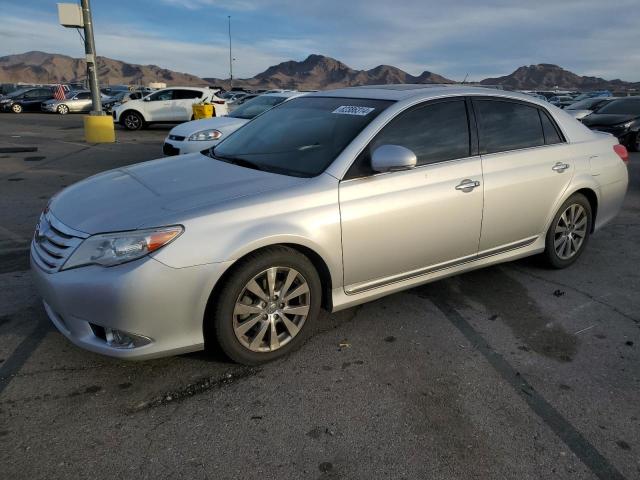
(452, 38)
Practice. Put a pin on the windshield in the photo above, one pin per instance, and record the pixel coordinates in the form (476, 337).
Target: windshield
(622, 107)
(586, 104)
(300, 137)
(254, 107)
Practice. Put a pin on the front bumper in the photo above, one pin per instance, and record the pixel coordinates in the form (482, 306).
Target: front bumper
(144, 297)
(48, 107)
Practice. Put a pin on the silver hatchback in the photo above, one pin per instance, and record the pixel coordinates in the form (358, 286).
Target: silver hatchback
(326, 201)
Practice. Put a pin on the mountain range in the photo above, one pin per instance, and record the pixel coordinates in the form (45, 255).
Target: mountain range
(316, 72)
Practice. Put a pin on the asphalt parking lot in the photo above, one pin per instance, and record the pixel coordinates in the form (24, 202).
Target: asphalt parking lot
(512, 372)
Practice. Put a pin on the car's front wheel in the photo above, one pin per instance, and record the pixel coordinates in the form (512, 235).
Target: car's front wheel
(16, 108)
(266, 306)
(63, 109)
(132, 120)
(569, 232)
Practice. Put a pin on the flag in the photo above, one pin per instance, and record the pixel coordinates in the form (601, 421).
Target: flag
(58, 94)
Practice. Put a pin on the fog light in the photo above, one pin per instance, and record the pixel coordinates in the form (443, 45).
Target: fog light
(121, 339)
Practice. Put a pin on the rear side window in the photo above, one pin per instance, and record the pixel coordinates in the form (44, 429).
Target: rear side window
(505, 126)
(83, 96)
(551, 134)
(186, 94)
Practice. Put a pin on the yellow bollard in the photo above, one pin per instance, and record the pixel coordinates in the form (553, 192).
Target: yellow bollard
(99, 129)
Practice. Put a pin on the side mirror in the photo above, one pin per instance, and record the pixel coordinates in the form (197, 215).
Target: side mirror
(146, 99)
(392, 158)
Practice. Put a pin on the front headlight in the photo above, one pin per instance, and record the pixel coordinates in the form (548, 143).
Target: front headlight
(110, 249)
(627, 124)
(204, 135)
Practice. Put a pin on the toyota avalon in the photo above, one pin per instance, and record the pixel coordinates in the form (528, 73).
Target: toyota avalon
(325, 201)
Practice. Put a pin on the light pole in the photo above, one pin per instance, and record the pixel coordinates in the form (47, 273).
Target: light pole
(230, 56)
(90, 51)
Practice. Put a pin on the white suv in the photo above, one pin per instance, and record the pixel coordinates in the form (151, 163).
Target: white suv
(169, 105)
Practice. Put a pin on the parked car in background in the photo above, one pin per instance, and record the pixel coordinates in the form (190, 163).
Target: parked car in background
(198, 135)
(619, 117)
(329, 200)
(597, 93)
(168, 105)
(586, 106)
(119, 98)
(561, 101)
(26, 100)
(74, 102)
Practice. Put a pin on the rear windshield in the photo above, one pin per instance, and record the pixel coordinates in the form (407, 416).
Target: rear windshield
(301, 137)
(254, 107)
(622, 107)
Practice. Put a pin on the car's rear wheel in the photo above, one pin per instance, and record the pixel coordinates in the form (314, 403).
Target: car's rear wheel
(16, 108)
(63, 109)
(634, 144)
(266, 306)
(132, 120)
(569, 232)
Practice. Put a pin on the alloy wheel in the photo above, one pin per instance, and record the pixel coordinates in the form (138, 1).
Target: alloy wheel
(271, 309)
(570, 231)
(132, 122)
(16, 108)
(63, 109)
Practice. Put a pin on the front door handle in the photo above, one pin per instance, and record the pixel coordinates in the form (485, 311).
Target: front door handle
(467, 185)
(560, 167)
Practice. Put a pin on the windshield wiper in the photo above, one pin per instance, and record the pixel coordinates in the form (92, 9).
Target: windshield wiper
(241, 162)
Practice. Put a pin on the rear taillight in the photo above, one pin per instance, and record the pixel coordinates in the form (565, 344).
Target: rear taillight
(622, 152)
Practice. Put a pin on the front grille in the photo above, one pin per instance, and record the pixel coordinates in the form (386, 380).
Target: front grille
(169, 149)
(177, 138)
(54, 242)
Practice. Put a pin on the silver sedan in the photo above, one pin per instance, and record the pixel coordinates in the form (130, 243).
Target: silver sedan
(75, 102)
(326, 201)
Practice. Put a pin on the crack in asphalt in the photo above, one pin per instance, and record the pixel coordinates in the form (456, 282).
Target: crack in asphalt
(203, 385)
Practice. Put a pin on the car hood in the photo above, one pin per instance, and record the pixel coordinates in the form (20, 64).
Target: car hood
(131, 197)
(224, 124)
(607, 119)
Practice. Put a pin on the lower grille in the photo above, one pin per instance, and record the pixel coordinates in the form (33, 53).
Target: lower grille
(169, 149)
(177, 138)
(53, 243)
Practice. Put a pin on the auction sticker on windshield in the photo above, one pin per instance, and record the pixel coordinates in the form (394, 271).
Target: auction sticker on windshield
(353, 110)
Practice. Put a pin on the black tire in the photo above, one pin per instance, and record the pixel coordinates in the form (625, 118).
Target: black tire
(634, 143)
(62, 109)
(132, 120)
(220, 326)
(16, 108)
(552, 256)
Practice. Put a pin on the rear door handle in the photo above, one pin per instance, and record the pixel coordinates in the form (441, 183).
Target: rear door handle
(560, 167)
(467, 185)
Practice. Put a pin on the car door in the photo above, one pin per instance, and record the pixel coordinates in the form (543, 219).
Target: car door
(33, 98)
(527, 165)
(159, 106)
(182, 104)
(82, 102)
(402, 224)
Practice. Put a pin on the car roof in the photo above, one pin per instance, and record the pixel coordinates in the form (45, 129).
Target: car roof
(290, 93)
(418, 92)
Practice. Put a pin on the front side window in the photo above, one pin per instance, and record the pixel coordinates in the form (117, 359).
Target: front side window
(435, 132)
(186, 94)
(301, 137)
(504, 126)
(161, 95)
